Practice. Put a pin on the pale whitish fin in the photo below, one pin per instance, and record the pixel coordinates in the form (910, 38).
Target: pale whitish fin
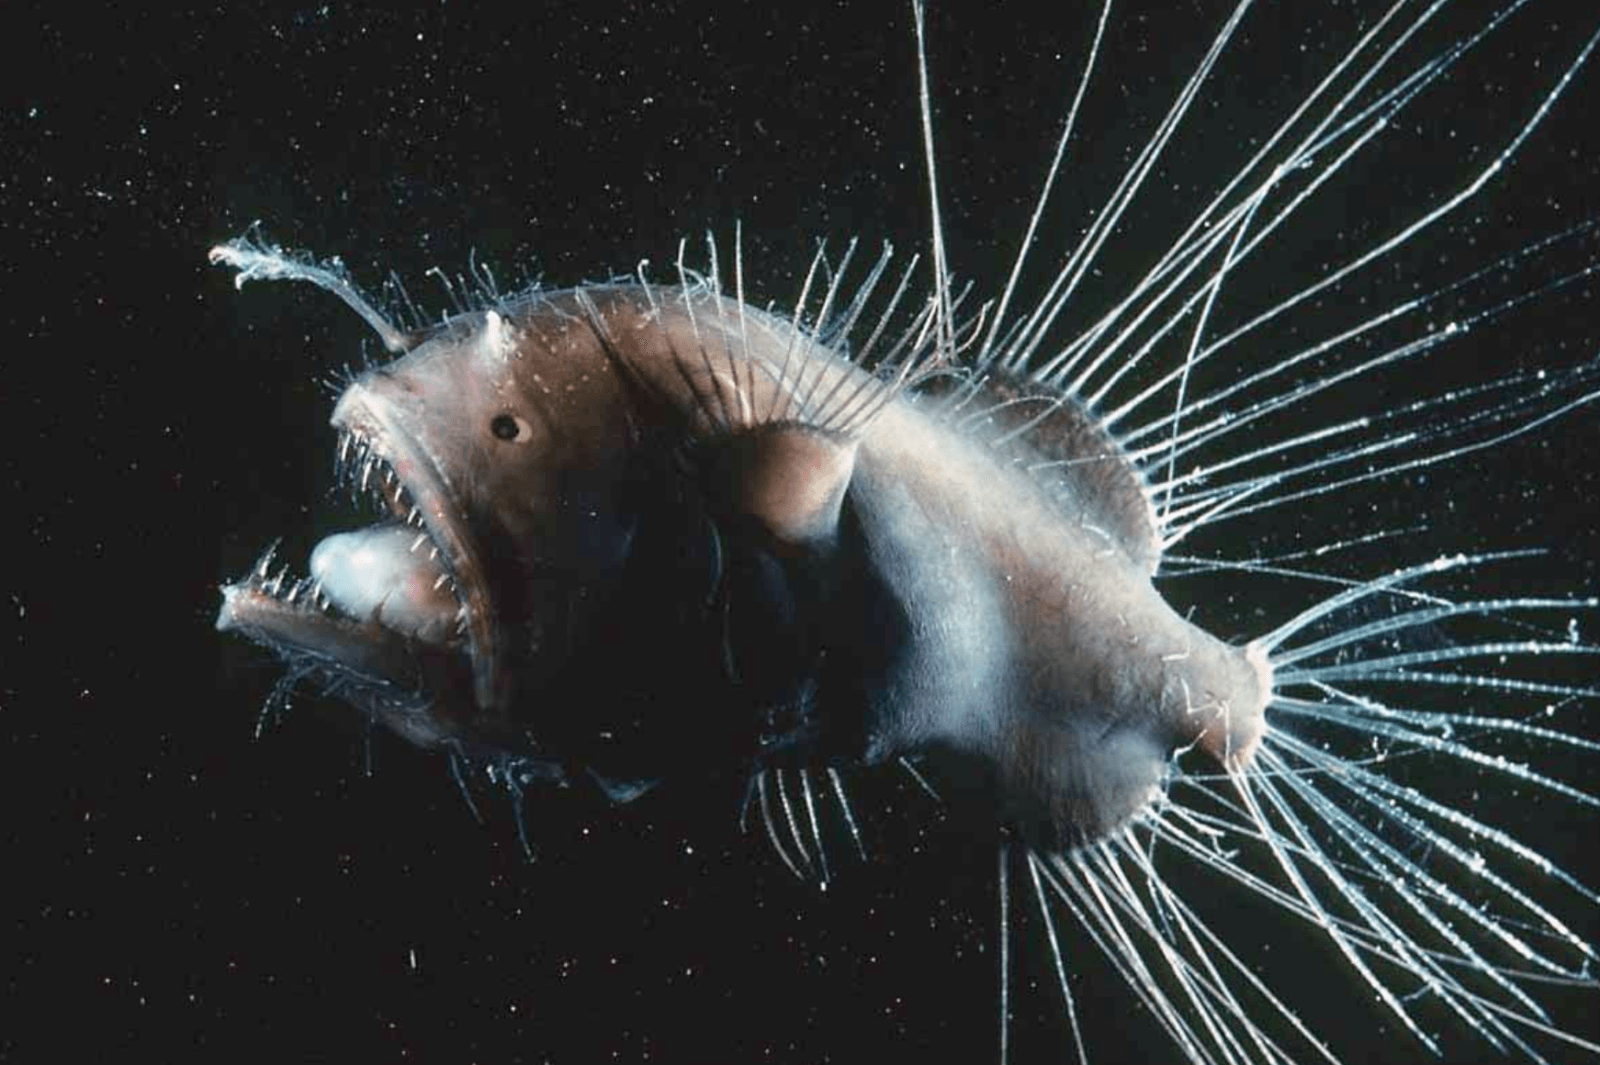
(793, 823)
(1059, 876)
(1084, 897)
(1051, 173)
(1378, 946)
(1055, 956)
(1214, 289)
(836, 334)
(1212, 856)
(1226, 420)
(1384, 798)
(1391, 667)
(483, 277)
(941, 272)
(1429, 616)
(726, 416)
(1426, 220)
(455, 760)
(519, 814)
(279, 699)
(1174, 926)
(1208, 999)
(922, 781)
(1399, 872)
(256, 260)
(742, 389)
(808, 401)
(855, 400)
(1502, 265)
(1472, 187)
(1438, 983)
(1212, 231)
(816, 828)
(1246, 787)
(844, 808)
(1399, 577)
(1344, 704)
(788, 388)
(1175, 565)
(1213, 241)
(1215, 500)
(1485, 1006)
(1214, 945)
(850, 413)
(1105, 221)
(1093, 888)
(916, 357)
(772, 831)
(602, 329)
(412, 314)
(1205, 222)
(1460, 751)
(833, 410)
(738, 295)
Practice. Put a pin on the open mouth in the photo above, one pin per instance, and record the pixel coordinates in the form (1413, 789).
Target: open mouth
(382, 605)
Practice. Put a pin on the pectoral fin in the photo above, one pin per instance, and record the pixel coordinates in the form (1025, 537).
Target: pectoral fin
(789, 479)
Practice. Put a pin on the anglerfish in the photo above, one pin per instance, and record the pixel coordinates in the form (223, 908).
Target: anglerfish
(812, 561)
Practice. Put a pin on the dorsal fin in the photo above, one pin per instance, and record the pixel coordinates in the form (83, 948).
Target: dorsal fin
(1066, 450)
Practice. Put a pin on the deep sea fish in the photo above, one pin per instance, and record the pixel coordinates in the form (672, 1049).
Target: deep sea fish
(635, 532)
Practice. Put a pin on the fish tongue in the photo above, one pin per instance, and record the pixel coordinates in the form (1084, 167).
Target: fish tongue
(374, 572)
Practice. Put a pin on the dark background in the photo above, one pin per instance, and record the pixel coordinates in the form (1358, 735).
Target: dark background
(180, 891)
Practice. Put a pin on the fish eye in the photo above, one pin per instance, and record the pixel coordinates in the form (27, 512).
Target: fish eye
(510, 427)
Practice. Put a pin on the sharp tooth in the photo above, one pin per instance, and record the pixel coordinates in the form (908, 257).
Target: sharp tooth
(366, 473)
(414, 518)
(294, 592)
(264, 563)
(275, 586)
(433, 554)
(418, 542)
(442, 578)
(344, 449)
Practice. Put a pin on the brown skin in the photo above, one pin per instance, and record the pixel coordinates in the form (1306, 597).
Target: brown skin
(649, 505)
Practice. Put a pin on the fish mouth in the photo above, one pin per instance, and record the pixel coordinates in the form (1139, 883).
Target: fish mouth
(432, 604)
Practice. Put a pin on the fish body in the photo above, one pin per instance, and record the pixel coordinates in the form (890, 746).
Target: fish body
(634, 530)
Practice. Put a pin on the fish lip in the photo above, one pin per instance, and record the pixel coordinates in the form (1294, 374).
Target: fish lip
(372, 427)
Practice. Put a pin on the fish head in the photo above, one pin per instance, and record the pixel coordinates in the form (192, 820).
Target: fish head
(502, 454)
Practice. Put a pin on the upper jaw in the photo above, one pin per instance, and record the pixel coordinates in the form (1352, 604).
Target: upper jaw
(378, 456)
